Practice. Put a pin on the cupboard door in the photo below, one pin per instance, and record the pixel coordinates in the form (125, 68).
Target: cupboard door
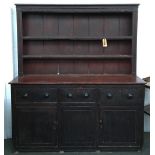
(118, 127)
(79, 125)
(36, 127)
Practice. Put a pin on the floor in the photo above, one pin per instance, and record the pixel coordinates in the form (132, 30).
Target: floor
(8, 150)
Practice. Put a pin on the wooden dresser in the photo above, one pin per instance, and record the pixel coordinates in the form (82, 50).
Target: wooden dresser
(77, 88)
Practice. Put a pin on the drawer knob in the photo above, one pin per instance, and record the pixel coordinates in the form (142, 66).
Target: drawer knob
(46, 95)
(101, 123)
(55, 122)
(70, 95)
(130, 96)
(109, 95)
(86, 94)
(54, 127)
(25, 95)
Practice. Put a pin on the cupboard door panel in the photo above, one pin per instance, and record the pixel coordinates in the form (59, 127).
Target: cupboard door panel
(36, 126)
(79, 125)
(118, 127)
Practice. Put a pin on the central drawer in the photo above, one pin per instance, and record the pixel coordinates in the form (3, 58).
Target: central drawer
(78, 95)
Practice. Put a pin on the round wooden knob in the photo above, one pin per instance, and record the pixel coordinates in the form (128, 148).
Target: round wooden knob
(70, 95)
(109, 95)
(86, 94)
(130, 96)
(46, 95)
(25, 95)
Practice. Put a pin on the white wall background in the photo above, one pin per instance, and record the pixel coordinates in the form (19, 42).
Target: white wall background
(8, 45)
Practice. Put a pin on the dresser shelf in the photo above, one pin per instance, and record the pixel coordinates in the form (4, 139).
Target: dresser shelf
(77, 57)
(76, 38)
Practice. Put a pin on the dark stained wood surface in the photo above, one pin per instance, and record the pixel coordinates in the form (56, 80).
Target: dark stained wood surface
(72, 93)
(76, 79)
(72, 36)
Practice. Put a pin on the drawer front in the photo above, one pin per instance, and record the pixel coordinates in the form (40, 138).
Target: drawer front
(35, 94)
(132, 95)
(122, 95)
(78, 95)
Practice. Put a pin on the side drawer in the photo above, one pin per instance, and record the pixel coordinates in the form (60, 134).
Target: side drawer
(78, 94)
(122, 95)
(35, 94)
(132, 95)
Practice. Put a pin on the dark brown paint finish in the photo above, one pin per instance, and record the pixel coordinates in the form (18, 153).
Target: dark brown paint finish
(77, 79)
(77, 117)
(48, 33)
(71, 93)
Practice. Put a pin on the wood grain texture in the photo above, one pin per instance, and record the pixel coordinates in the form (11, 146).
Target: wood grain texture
(76, 79)
(70, 33)
(82, 117)
(72, 93)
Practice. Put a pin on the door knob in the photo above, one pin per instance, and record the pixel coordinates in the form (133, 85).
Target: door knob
(101, 123)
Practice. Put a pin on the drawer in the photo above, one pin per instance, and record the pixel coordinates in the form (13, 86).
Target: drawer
(132, 95)
(35, 94)
(122, 95)
(78, 95)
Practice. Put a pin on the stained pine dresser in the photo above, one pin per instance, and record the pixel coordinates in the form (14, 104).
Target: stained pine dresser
(77, 88)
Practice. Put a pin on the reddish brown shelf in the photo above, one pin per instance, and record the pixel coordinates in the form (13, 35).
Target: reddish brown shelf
(77, 56)
(76, 38)
(76, 79)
